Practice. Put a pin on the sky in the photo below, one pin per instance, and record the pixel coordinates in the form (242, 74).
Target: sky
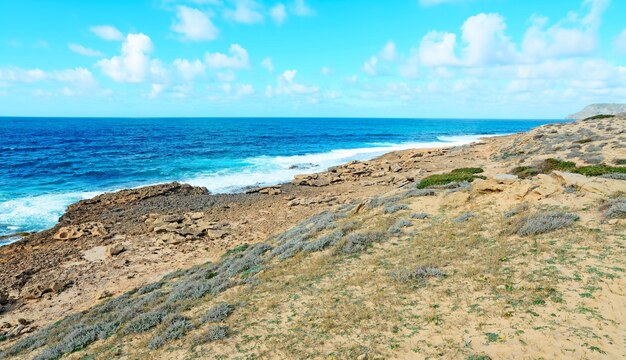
(311, 58)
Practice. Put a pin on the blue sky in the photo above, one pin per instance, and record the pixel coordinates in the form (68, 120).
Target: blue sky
(401, 58)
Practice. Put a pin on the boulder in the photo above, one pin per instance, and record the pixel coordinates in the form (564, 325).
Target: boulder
(505, 178)
(487, 186)
(73, 232)
(115, 250)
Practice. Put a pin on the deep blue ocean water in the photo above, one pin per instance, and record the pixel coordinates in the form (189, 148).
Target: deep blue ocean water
(49, 163)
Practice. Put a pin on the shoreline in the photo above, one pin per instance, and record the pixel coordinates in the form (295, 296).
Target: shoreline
(197, 181)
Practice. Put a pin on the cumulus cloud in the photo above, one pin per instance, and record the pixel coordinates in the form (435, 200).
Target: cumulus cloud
(189, 70)
(437, 49)
(486, 41)
(572, 36)
(245, 12)
(134, 63)
(194, 25)
(288, 86)
(238, 58)
(79, 49)
(107, 32)
(278, 13)
(388, 53)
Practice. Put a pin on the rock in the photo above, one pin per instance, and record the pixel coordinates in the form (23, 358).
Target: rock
(174, 218)
(58, 286)
(73, 232)
(195, 215)
(35, 292)
(24, 322)
(4, 297)
(115, 249)
(505, 178)
(487, 186)
(104, 294)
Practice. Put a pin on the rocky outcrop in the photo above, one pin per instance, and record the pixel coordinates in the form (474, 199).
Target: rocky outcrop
(73, 232)
(598, 109)
(176, 228)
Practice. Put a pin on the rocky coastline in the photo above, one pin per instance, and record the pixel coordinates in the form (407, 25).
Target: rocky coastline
(116, 242)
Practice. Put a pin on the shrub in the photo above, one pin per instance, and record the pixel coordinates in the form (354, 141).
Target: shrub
(397, 227)
(583, 141)
(467, 170)
(463, 217)
(218, 313)
(380, 201)
(420, 216)
(394, 208)
(443, 179)
(360, 241)
(597, 117)
(551, 164)
(599, 170)
(324, 241)
(524, 172)
(619, 161)
(615, 176)
(544, 222)
(614, 208)
(150, 287)
(420, 192)
(235, 250)
(421, 274)
(146, 321)
(213, 333)
(176, 327)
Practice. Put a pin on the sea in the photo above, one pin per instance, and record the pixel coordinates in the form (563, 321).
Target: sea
(47, 164)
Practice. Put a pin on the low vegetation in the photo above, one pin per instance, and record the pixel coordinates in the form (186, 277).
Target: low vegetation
(543, 222)
(549, 165)
(455, 176)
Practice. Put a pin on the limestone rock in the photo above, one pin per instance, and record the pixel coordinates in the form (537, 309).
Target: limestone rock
(73, 232)
(115, 249)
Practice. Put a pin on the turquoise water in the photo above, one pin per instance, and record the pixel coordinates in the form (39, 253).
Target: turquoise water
(49, 163)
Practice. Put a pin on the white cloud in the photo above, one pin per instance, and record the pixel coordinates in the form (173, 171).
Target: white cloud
(156, 90)
(620, 42)
(238, 58)
(486, 42)
(268, 65)
(19, 75)
(79, 49)
(279, 13)
(300, 8)
(437, 49)
(194, 25)
(107, 32)
(388, 53)
(134, 64)
(370, 66)
(245, 12)
(189, 70)
(288, 86)
(325, 70)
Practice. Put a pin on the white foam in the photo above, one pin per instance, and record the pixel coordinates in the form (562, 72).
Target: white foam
(43, 211)
(37, 212)
(266, 170)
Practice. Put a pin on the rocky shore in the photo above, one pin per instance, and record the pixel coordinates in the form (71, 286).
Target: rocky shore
(103, 247)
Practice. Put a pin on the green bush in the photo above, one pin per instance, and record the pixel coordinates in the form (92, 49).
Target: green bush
(599, 170)
(443, 179)
(524, 172)
(468, 170)
(597, 117)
